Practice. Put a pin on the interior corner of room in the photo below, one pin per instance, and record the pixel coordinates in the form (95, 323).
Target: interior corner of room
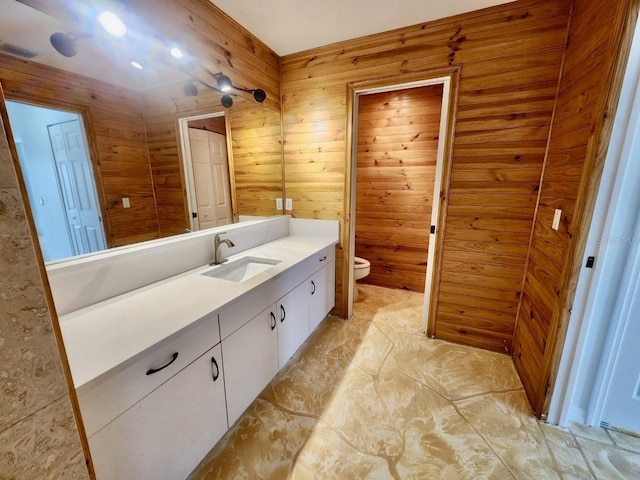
(483, 160)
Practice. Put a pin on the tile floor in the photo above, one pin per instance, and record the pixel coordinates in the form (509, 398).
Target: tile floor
(372, 398)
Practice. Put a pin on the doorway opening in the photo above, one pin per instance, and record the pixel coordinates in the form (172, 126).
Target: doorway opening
(400, 145)
(53, 154)
(208, 171)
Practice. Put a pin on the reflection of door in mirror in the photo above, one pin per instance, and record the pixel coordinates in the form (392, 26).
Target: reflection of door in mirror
(207, 167)
(210, 169)
(62, 192)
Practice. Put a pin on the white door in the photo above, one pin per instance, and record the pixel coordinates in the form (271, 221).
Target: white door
(622, 399)
(77, 186)
(210, 169)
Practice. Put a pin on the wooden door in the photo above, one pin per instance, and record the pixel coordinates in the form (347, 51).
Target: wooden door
(77, 186)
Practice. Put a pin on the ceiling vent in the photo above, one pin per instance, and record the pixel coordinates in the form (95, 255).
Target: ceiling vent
(17, 51)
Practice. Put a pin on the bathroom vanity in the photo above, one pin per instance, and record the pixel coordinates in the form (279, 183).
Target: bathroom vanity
(162, 370)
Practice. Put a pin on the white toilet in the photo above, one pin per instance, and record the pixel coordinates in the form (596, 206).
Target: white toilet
(361, 269)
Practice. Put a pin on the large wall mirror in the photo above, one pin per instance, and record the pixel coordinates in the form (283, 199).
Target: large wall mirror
(99, 141)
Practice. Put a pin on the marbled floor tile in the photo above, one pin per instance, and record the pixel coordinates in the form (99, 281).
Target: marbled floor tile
(372, 298)
(44, 446)
(610, 463)
(338, 338)
(592, 433)
(570, 461)
(307, 385)
(626, 441)
(371, 399)
(403, 318)
(439, 442)
(505, 422)
(373, 351)
(358, 413)
(455, 371)
(327, 456)
(262, 445)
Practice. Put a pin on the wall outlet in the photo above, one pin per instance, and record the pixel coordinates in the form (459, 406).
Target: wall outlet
(279, 204)
(125, 202)
(556, 219)
(289, 204)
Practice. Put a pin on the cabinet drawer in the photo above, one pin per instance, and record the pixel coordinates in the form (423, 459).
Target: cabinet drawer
(166, 434)
(106, 397)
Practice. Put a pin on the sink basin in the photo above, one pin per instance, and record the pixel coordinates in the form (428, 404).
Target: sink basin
(242, 269)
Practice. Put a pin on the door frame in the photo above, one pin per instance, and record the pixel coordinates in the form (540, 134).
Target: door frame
(591, 342)
(449, 78)
(91, 144)
(187, 170)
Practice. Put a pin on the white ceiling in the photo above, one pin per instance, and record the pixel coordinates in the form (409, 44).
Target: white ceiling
(290, 26)
(98, 57)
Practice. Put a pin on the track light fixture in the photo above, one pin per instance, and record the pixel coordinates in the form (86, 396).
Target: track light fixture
(222, 84)
(66, 45)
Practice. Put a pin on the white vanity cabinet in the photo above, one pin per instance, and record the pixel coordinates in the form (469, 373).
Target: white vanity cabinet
(167, 433)
(256, 345)
(293, 322)
(250, 358)
(322, 294)
(157, 403)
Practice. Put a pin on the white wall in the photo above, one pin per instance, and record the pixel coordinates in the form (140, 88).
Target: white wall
(29, 126)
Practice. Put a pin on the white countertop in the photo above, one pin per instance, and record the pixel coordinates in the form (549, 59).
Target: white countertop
(102, 336)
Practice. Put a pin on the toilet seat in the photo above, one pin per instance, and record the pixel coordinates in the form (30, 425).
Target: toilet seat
(361, 268)
(361, 263)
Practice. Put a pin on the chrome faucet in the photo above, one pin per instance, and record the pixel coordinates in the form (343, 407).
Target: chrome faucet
(217, 259)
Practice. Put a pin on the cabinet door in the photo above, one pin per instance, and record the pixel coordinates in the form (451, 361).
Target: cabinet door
(293, 322)
(166, 434)
(250, 357)
(323, 294)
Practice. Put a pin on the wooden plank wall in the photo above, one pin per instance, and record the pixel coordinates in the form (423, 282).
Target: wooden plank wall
(116, 134)
(217, 41)
(585, 80)
(223, 46)
(396, 165)
(257, 159)
(162, 106)
(510, 57)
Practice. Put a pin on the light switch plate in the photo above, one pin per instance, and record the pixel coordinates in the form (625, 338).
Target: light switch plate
(289, 204)
(556, 219)
(125, 202)
(279, 204)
